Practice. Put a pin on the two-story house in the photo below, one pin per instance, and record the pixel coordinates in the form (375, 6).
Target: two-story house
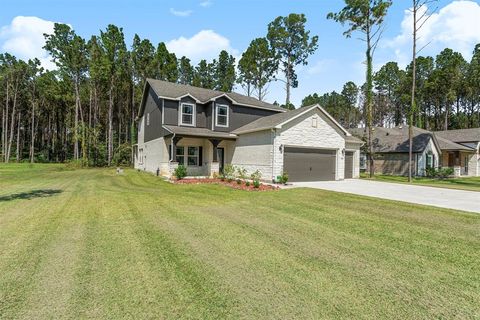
(206, 129)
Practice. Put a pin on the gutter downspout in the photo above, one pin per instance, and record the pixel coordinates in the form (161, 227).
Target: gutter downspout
(171, 153)
(273, 156)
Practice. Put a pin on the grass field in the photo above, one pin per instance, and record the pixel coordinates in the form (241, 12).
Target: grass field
(91, 244)
(463, 183)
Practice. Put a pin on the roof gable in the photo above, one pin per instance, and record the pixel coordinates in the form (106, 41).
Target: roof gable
(280, 119)
(387, 140)
(176, 91)
(460, 135)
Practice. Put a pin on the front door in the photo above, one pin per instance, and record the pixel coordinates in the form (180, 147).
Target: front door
(221, 158)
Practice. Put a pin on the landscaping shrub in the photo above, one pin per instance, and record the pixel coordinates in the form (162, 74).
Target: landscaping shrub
(229, 172)
(242, 173)
(445, 173)
(256, 176)
(239, 181)
(180, 172)
(247, 183)
(431, 172)
(284, 178)
(441, 173)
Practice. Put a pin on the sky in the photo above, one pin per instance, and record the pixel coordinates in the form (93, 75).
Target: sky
(202, 28)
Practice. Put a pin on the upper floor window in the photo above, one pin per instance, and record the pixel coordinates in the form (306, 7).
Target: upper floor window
(187, 114)
(221, 119)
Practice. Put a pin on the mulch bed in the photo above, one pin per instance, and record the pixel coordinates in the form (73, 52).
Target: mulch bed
(233, 184)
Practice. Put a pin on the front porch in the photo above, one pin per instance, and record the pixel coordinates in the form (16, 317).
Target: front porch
(203, 152)
(460, 162)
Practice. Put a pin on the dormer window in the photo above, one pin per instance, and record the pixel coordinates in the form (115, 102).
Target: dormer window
(187, 114)
(221, 118)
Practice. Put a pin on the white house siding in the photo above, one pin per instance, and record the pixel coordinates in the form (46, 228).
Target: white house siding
(356, 157)
(422, 158)
(253, 151)
(474, 160)
(155, 155)
(301, 132)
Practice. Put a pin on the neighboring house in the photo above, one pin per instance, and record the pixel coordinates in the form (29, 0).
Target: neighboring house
(467, 160)
(430, 149)
(206, 129)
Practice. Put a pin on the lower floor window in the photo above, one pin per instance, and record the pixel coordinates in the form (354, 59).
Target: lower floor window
(189, 156)
(192, 156)
(180, 155)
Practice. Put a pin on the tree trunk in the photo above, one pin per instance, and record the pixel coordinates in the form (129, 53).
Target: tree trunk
(412, 105)
(75, 128)
(287, 86)
(32, 134)
(12, 123)
(369, 103)
(110, 126)
(17, 150)
(5, 141)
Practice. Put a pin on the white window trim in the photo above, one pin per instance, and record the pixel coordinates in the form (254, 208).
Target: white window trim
(148, 118)
(196, 156)
(217, 106)
(186, 155)
(180, 114)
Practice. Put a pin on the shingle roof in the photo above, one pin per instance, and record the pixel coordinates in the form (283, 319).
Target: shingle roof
(446, 144)
(275, 120)
(387, 140)
(272, 121)
(176, 91)
(199, 132)
(353, 139)
(460, 135)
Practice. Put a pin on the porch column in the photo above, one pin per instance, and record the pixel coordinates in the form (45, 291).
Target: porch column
(215, 143)
(214, 165)
(175, 140)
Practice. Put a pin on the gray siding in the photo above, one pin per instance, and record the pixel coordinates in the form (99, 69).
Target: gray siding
(242, 115)
(153, 110)
(238, 115)
(171, 112)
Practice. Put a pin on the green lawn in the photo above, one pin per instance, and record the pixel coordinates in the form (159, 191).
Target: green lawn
(463, 183)
(90, 244)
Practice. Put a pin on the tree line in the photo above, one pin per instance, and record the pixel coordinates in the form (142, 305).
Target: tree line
(447, 94)
(85, 110)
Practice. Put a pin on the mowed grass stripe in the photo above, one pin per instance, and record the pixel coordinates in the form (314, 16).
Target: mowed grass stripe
(133, 246)
(22, 263)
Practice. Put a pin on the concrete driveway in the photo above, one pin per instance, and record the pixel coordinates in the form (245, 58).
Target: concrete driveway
(439, 197)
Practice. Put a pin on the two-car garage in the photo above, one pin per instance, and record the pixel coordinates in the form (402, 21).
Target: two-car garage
(305, 143)
(314, 164)
(309, 164)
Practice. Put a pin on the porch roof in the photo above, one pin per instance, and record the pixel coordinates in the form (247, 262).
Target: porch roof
(199, 132)
(447, 145)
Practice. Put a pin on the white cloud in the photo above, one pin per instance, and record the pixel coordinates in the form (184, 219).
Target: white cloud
(206, 44)
(206, 3)
(455, 26)
(178, 13)
(23, 37)
(321, 66)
